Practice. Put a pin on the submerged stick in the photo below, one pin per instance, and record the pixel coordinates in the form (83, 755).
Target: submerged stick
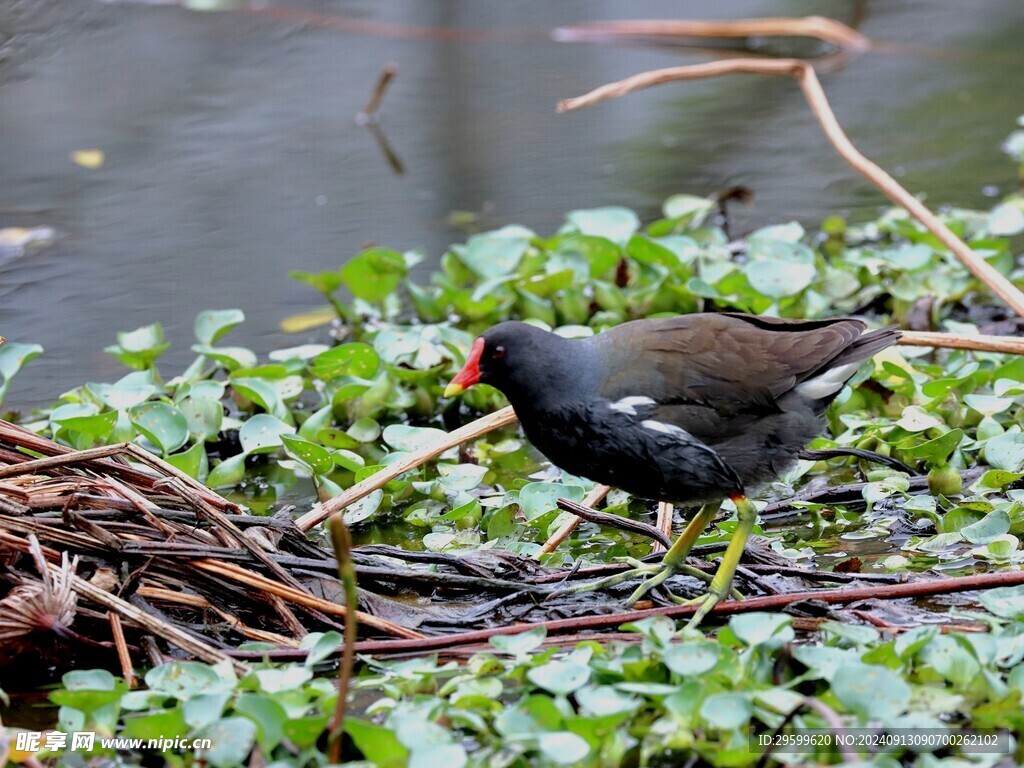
(804, 74)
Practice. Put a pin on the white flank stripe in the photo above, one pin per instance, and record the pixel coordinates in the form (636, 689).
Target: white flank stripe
(629, 404)
(667, 429)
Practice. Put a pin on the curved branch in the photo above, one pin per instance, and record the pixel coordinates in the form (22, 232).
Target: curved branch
(804, 74)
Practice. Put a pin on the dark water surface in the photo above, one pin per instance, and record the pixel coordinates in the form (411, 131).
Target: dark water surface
(231, 154)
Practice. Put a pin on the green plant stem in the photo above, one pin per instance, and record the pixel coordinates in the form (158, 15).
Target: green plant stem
(342, 543)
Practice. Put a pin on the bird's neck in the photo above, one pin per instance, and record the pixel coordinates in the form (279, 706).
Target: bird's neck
(555, 376)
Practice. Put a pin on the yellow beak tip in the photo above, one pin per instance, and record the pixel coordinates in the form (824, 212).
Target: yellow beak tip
(453, 389)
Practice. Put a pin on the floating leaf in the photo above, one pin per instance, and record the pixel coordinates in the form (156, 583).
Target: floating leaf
(212, 324)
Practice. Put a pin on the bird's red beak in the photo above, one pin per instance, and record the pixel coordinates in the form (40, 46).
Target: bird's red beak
(470, 373)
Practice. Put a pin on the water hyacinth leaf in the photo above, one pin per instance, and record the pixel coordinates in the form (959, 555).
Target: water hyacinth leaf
(204, 709)
(231, 739)
(690, 207)
(1006, 602)
(262, 393)
(364, 509)
(563, 747)
(319, 420)
(754, 629)
(561, 677)
(989, 528)
(287, 678)
(520, 644)
(612, 222)
(230, 358)
(203, 417)
(432, 755)
(686, 659)
(267, 714)
(402, 437)
(988, 405)
(728, 711)
(262, 433)
(316, 457)
(324, 282)
(347, 459)
(937, 450)
(585, 255)
(1005, 451)
(461, 477)
(777, 279)
(378, 744)
(184, 679)
(140, 348)
(193, 462)
(231, 471)
(212, 324)
(873, 692)
(15, 356)
(354, 359)
(320, 645)
(122, 397)
(162, 424)
(537, 499)
(90, 429)
(373, 274)
(495, 254)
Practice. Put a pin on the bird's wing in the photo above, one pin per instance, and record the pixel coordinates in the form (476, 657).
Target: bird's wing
(738, 363)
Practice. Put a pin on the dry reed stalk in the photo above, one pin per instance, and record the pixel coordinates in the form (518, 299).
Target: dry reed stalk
(257, 581)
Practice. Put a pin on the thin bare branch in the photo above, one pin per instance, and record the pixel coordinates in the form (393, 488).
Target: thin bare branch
(818, 27)
(481, 426)
(591, 500)
(804, 74)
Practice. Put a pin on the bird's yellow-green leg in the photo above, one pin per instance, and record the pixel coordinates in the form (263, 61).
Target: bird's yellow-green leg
(675, 559)
(746, 515)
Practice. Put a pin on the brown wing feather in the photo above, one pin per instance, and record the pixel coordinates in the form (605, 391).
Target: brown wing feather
(740, 360)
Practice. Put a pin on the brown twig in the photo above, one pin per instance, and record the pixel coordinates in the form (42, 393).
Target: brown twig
(1009, 345)
(664, 524)
(369, 113)
(584, 512)
(258, 581)
(123, 657)
(592, 499)
(474, 429)
(819, 27)
(845, 595)
(804, 74)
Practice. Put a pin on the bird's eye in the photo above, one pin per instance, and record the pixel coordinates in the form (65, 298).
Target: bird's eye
(498, 353)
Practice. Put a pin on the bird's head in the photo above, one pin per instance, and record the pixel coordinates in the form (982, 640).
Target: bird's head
(503, 355)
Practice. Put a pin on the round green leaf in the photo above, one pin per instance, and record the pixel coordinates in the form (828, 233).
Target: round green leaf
(163, 424)
(727, 711)
(538, 498)
(563, 747)
(316, 457)
(356, 359)
(232, 740)
(262, 433)
(212, 324)
(870, 691)
(561, 676)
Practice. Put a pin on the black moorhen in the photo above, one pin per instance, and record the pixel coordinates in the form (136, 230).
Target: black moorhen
(696, 408)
